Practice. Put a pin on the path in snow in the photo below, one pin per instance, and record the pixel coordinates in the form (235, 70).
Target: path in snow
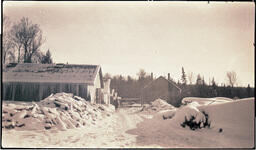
(108, 132)
(126, 129)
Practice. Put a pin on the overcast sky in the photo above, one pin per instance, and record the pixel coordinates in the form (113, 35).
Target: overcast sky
(159, 37)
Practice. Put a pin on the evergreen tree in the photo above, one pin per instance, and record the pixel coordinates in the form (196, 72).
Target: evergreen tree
(183, 77)
(248, 89)
(213, 82)
(47, 58)
(203, 81)
(199, 80)
(178, 82)
(214, 88)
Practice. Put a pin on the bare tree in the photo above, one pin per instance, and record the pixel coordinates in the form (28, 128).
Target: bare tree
(190, 77)
(27, 37)
(141, 74)
(38, 57)
(232, 78)
(7, 46)
(107, 76)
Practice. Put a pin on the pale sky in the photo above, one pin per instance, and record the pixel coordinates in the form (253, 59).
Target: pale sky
(159, 37)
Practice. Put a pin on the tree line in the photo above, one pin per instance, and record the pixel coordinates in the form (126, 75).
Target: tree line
(130, 87)
(22, 41)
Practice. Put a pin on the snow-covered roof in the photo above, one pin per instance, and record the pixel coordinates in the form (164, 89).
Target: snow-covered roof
(53, 73)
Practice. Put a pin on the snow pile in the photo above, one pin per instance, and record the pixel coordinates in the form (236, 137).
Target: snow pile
(191, 116)
(205, 101)
(232, 116)
(157, 105)
(225, 115)
(166, 114)
(58, 111)
(231, 126)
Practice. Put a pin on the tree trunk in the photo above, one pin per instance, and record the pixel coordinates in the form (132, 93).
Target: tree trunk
(4, 56)
(19, 55)
(25, 53)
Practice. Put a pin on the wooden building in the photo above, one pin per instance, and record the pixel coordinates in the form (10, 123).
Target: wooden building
(161, 88)
(33, 82)
(105, 92)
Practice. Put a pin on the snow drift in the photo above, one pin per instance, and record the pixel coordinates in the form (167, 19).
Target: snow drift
(191, 116)
(58, 111)
(231, 126)
(236, 117)
(157, 105)
(234, 120)
(205, 101)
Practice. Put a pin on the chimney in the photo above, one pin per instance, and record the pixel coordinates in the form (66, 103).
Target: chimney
(169, 78)
(151, 76)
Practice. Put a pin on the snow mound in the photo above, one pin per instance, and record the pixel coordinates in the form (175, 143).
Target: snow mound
(157, 105)
(190, 116)
(235, 115)
(166, 114)
(205, 101)
(58, 111)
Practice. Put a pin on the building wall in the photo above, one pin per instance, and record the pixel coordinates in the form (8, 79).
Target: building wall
(97, 82)
(106, 91)
(95, 90)
(82, 84)
(97, 85)
(161, 88)
(174, 96)
(107, 86)
(92, 93)
(158, 89)
(22, 91)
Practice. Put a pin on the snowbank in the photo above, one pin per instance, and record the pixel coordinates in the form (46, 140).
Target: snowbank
(233, 117)
(233, 120)
(231, 126)
(58, 111)
(189, 113)
(157, 105)
(205, 101)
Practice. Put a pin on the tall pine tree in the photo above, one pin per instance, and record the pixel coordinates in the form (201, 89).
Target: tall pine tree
(47, 58)
(199, 80)
(183, 77)
(213, 82)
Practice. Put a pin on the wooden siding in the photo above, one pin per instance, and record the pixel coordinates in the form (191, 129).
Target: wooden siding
(158, 89)
(22, 91)
(163, 89)
(174, 95)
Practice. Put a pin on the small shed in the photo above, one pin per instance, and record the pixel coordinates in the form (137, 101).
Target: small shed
(161, 88)
(33, 82)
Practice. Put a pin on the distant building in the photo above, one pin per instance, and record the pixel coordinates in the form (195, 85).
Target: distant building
(33, 82)
(106, 91)
(161, 88)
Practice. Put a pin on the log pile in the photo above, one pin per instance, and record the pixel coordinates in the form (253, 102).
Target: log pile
(59, 111)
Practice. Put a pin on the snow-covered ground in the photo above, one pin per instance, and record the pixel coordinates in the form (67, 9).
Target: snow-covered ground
(155, 125)
(232, 126)
(107, 133)
(157, 105)
(205, 101)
